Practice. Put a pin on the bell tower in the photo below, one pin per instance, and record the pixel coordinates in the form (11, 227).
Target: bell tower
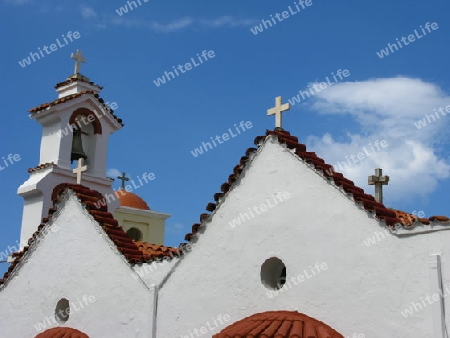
(75, 126)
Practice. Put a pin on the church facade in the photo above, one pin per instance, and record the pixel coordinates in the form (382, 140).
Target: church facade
(282, 251)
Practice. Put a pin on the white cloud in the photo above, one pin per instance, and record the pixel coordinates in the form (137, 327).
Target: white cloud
(172, 26)
(18, 2)
(155, 26)
(386, 109)
(88, 12)
(227, 21)
(162, 27)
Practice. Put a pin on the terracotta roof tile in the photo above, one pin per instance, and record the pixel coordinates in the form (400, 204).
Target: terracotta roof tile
(442, 219)
(41, 166)
(89, 198)
(74, 96)
(154, 251)
(62, 332)
(390, 217)
(278, 324)
(409, 219)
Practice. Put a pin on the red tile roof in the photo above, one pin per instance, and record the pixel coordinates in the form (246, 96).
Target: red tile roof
(278, 324)
(154, 251)
(390, 217)
(74, 96)
(41, 166)
(62, 332)
(409, 219)
(89, 198)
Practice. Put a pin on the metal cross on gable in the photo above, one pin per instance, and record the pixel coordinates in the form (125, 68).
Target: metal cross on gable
(123, 178)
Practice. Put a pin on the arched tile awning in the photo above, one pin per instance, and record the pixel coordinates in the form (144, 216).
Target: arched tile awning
(62, 332)
(279, 324)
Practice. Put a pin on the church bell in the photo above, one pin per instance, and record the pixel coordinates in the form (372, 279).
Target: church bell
(77, 147)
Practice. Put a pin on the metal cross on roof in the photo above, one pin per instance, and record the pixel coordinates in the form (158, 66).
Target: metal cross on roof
(278, 110)
(80, 169)
(378, 180)
(123, 178)
(78, 60)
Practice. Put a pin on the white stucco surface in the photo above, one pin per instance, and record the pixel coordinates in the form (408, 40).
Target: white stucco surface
(75, 260)
(154, 273)
(363, 290)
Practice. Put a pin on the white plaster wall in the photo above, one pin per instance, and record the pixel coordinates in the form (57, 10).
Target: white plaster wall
(153, 273)
(363, 289)
(76, 260)
(32, 207)
(37, 192)
(51, 140)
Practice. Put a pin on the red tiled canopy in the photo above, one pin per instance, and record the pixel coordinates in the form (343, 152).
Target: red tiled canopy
(62, 332)
(278, 324)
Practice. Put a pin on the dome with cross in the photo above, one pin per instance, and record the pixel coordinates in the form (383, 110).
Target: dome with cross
(128, 199)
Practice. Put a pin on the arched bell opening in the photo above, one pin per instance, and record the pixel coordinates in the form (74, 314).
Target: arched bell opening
(86, 130)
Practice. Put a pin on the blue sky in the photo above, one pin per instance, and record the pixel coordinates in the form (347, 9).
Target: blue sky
(381, 99)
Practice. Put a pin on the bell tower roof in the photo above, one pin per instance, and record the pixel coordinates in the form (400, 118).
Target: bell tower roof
(100, 102)
(76, 83)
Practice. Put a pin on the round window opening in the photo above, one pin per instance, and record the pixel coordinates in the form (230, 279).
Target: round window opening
(273, 273)
(62, 311)
(135, 234)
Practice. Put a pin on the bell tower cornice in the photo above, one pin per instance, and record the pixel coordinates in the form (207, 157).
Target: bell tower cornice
(76, 83)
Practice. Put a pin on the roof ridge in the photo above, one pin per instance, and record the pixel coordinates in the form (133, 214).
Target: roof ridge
(390, 218)
(90, 199)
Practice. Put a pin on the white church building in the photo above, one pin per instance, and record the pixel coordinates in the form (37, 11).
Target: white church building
(288, 248)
